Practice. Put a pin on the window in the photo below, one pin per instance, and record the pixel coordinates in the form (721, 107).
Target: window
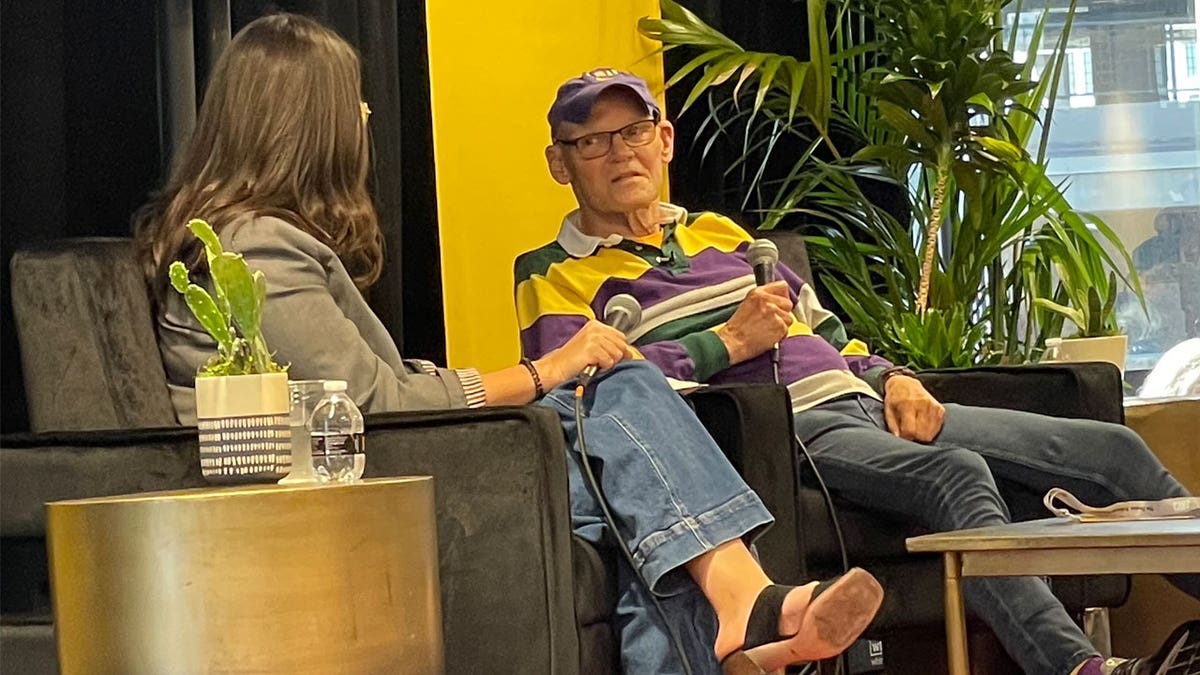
(1124, 138)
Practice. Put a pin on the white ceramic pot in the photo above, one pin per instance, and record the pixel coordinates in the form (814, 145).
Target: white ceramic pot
(243, 424)
(1110, 348)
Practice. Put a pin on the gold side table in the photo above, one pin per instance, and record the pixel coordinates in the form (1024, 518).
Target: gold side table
(253, 579)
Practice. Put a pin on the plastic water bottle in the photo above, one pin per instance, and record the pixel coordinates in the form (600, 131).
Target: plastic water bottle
(336, 429)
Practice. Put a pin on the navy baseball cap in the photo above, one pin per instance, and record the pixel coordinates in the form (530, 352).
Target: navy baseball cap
(577, 96)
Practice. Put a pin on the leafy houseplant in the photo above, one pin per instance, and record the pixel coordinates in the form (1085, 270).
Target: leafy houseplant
(1090, 298)
(241, 393)
(927, 98)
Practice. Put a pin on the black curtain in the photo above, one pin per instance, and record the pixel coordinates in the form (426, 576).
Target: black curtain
(86, 131)
(79, 131)
(764, 25)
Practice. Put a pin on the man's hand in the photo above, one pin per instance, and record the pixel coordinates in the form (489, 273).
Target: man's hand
(760, 322)
(911, 412)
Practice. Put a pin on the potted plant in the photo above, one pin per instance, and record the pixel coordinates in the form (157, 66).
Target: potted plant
(1086, 297)
(242, 400)
(948, 124)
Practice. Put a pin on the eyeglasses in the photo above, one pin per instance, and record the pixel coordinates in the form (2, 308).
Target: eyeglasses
(591, 146)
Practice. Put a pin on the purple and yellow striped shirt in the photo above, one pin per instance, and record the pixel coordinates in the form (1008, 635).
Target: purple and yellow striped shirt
(688, 288)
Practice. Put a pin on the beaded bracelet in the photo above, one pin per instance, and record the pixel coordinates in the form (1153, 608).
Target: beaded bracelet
(537, 379)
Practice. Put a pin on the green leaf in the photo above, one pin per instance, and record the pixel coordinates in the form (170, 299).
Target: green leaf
(204, 232)
(904, 123)
(1005, 151)
(692, 65)
(821, 72)
(179, 276)
(230, 271)
(205, 309)
(764, 81)
(1075, 316)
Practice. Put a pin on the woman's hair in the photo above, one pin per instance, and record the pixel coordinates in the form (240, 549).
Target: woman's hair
(281, 132)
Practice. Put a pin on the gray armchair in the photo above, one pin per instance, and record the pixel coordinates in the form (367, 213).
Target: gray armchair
(913, 582)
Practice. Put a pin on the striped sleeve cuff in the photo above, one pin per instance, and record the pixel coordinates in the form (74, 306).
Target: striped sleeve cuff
(472, 385)
(708, 353)
(426, 367)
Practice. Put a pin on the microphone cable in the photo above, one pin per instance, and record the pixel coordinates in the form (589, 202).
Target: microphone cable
(612, 524)
(797, 475)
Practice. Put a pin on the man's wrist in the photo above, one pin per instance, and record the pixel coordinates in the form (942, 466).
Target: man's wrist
(733, 346)
(895, 371)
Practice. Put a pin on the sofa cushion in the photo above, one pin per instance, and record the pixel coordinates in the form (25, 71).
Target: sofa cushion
(88, 349)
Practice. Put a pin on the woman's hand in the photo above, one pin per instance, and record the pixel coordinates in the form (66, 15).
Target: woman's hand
(595, 344)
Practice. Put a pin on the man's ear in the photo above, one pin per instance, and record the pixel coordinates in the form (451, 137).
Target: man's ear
(666, 131)
(557, 164)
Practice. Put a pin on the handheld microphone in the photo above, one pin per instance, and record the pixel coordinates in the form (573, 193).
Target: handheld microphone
(622, 312)
(763, 255)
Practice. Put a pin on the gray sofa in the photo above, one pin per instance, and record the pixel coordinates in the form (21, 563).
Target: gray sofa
(520, 594)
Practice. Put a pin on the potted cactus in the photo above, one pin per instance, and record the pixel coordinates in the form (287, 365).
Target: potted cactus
(241, 393)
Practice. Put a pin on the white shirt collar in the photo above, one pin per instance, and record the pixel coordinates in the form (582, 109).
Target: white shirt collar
(581, 245)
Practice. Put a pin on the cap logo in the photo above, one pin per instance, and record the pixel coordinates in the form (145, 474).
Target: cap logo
(601, 74)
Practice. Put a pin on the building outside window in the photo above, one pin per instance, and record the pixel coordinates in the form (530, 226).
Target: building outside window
(1124, 138)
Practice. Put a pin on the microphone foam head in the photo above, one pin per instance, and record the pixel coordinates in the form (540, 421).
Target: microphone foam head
(622, 312)
(762, 251)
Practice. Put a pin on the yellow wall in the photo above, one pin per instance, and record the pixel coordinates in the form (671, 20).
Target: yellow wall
(493, 68)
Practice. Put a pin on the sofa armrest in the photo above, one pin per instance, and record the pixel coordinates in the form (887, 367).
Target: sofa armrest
(1079, 390)
(504, 530)
(500, 482)
(43, 467)
(753, 425)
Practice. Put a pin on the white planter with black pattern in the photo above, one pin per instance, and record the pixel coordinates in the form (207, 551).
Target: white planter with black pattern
(243, 426)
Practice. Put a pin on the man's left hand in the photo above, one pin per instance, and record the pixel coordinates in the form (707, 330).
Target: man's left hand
(911, 412)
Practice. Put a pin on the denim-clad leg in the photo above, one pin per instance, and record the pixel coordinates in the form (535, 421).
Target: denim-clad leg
(673, 495)
(646, 647)
(950, 485)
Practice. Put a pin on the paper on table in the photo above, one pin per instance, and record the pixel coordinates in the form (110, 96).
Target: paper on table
(684, 386)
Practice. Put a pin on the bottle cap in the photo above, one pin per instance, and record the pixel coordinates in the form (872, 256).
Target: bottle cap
(335, 385)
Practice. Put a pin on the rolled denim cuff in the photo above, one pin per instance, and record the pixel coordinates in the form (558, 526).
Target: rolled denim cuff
(662, 554)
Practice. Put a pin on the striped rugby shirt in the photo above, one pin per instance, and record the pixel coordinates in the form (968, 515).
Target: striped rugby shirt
(688, 286)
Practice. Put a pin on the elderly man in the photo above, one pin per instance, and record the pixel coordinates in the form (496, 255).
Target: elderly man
(879, 438)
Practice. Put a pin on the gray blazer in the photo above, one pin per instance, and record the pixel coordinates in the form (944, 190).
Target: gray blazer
(314, 319)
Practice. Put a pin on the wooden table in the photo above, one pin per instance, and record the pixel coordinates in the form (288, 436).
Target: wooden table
(250, 579)
(1054, 546)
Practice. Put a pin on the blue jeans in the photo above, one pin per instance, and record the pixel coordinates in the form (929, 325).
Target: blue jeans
(950, 484)
(673, 495)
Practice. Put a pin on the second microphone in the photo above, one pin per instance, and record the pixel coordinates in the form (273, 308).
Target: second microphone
(622, 312)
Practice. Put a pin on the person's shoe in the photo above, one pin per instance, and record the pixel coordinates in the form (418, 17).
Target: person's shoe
(838, 611)
(1179, 655)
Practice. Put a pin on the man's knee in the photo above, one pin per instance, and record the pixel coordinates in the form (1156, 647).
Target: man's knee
(960, 466)
(964, 492)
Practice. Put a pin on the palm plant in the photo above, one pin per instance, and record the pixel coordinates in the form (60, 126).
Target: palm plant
(945, 113)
